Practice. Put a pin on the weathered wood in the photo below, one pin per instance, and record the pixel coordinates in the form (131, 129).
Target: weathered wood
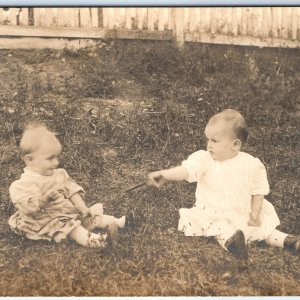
(140, 18)
(151, 18)
(234, 21)
(243, 41)
(85, 17)
(161, 18)
(42, 43)
(1, 16)
(94, 11)
(128, 18)
(261, 22)
(294, 24)
(85, 33)
(274, 22)
(179, 25)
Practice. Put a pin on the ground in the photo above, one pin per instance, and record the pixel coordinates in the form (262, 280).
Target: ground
(129, 107)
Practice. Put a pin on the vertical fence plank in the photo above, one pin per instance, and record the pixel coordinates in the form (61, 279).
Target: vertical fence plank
(234, 21)
(140, 18)
(162, 11)
(213, 25)
(192, 19)
(186, 18)
(265, 22)
(111, 18)
(258, 22)
(85, 17)
(12, 16)
(179, 25)
(94, 12)
(48, 17)
(294, 23)
(244, 22)
(117, 17)
(38, 12)
(60, 17)
(128, 18)
(284, 23)
(105, 14)
(274, 22)
(205, 20)
(170, 18)
(24, 17)
(150, 18)
(1, 16)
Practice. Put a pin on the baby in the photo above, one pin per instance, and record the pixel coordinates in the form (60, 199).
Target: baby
(231, 186)
(49, 202)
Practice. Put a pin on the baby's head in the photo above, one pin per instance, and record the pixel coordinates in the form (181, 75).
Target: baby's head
(226, 132)
(39, 148)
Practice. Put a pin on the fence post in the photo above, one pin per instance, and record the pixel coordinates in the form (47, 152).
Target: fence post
(178, 25)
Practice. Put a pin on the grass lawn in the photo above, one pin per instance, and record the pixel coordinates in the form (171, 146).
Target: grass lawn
(130, 107)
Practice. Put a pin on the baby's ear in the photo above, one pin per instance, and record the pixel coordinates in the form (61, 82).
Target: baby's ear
(27, 158)
(237, 144)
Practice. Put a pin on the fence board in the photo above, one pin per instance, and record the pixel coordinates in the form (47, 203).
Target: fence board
(294, 24)
(127, 18)
(1, 16)
(234, 28)
(240, 22)
(274, 22)
(162, 16)
(150, 18)
(140, 18)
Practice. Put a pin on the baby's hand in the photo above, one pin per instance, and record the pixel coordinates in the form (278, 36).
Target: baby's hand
(156, 179)
(52, 195)
(256, 222)
(86, 212)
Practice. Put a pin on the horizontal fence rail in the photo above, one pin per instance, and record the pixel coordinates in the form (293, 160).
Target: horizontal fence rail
(261, 26)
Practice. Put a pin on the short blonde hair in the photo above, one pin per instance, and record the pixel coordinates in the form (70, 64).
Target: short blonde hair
(236, 120)
(32, 135)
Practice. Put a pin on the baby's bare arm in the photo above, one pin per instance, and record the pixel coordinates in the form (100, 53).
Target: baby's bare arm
(256, 205)
(79, 204)
(158, 178)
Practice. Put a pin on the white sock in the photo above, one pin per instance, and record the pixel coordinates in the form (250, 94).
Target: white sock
(79, 235)
(104, 220)
(276, 238)
(121, 222)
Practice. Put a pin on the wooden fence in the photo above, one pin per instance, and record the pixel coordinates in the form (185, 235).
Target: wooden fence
(258, 26)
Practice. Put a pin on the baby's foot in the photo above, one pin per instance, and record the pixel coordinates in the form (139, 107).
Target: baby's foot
(292, 243)
(113, 234)
(121, 222)
(236, 245)
(97, 241)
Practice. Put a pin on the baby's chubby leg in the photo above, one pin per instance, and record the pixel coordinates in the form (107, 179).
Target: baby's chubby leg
(83, 237)
(103, 221)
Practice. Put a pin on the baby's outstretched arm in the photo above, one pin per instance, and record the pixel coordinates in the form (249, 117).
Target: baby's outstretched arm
(158, 178)
(257, 201)
(80, 205)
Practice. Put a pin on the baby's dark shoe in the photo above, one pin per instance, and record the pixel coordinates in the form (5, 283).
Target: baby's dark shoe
(130, 220)
(237, 245)
(113, 235)
(292, 244)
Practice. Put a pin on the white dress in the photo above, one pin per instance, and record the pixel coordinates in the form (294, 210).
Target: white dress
(223, 197)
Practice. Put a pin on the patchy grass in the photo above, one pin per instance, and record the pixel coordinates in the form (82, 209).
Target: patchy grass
(123, 110)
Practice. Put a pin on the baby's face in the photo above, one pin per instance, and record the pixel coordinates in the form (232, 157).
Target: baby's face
(220, 141)
(45, 159)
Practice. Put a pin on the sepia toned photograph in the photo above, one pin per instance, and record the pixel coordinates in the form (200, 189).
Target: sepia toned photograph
(150, 151)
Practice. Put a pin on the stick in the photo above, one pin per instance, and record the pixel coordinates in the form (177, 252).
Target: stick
(136, 186)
